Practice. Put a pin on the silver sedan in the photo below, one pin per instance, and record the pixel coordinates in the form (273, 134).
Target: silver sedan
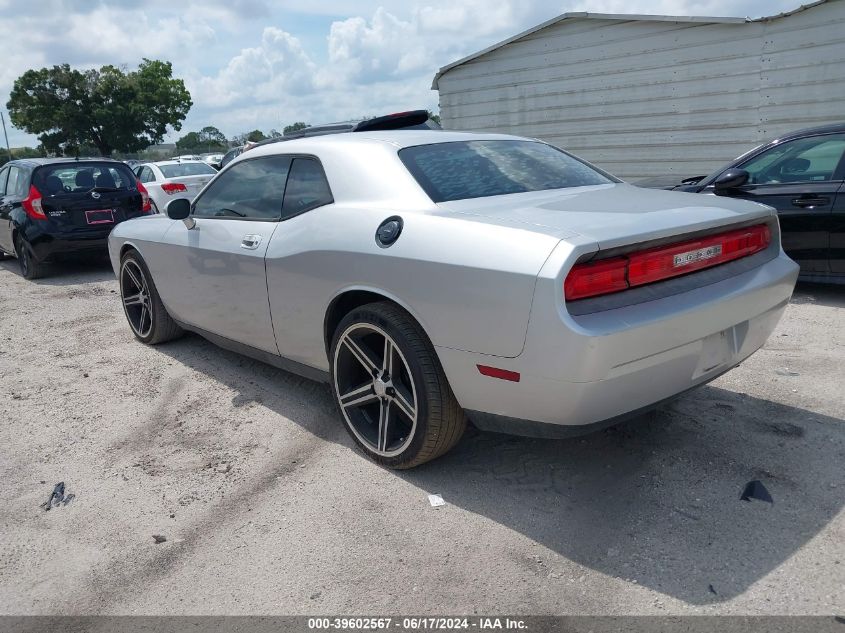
(435, 277)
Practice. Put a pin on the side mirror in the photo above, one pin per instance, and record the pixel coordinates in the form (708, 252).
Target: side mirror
(180, 209)
(731, 179)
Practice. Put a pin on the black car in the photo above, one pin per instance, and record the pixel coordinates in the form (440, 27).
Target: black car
(802, 175)
(411, 120)
(53, 208)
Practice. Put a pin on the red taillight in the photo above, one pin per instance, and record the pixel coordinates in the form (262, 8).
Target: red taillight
(146, 206)
(599, 278)
(32, 204)
(663, 262)
(496, 372)
(173, 187)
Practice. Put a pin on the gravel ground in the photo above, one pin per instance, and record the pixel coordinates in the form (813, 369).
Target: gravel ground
(267, 507)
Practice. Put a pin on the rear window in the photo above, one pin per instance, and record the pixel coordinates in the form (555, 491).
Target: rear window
(187, 169)
(477, 169)
(83, 177)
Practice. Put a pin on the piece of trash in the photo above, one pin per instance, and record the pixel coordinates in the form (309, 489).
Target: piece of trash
(713, 591)
(436, 501)
(85, 375)
(755, 490)
(224, 468)
(316, 595)
(786, 372)
(57, 497)
(159, 538)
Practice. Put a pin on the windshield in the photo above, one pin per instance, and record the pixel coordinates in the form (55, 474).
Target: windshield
(476, 169)
(178, 170)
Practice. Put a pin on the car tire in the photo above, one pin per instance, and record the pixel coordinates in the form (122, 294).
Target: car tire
(385, 369)
(30, 267)
(148, 318)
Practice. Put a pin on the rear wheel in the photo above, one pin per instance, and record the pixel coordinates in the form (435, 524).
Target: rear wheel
(394, 397)
(30, 267)
(147, 316)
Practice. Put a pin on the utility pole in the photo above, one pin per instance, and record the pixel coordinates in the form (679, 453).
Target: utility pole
(9, 149)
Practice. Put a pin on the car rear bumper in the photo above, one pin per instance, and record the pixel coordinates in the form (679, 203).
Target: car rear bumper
(585, 371)
(58, 246)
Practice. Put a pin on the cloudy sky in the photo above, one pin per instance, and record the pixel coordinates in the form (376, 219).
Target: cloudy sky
(264, 64)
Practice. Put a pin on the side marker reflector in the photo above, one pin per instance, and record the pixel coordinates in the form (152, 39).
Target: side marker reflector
(495, 372)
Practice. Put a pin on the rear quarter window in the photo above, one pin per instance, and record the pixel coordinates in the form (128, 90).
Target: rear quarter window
(476, 169)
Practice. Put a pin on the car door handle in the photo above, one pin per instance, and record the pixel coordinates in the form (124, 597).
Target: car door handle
(810, 202)
(251, 242)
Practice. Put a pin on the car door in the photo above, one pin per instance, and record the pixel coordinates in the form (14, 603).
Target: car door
(213, 275)
(800, 178)
(5, 213)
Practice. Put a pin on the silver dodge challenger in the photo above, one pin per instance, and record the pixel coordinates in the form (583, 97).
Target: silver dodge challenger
(434, 277)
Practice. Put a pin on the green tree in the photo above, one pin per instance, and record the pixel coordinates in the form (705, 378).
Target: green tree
(255, 136)
(434, 117)
(107, 108)
(21, 152)
(212, 138)
(189, 142)
(295, 127)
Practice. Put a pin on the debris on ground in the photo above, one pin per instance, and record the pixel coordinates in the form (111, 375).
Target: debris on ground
(712, 590)
(58, 497)
(786, 372)
(159, 538)
(755, 490)
(436, 501)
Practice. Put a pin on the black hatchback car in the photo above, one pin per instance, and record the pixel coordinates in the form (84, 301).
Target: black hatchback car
(54, 208)
(802, 175)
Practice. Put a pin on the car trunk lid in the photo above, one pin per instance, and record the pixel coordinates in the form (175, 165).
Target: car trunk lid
(612, 216)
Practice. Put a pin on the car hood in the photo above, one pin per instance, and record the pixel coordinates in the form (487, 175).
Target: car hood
(610, 215)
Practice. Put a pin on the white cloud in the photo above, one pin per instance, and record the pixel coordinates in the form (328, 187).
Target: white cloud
(276, 68)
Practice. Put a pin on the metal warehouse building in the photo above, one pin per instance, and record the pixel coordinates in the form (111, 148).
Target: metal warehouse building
(648, 95)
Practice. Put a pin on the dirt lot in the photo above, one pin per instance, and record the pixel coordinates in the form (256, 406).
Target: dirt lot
(268, 508)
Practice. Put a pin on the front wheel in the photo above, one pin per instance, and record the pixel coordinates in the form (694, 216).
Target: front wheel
(146, 314)
(387, 380)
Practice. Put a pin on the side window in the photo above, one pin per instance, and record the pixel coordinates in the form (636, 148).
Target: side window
(252, 189)
(4, 175)
(16, 185)
(307, 188)
(812, 159)
(147, 175)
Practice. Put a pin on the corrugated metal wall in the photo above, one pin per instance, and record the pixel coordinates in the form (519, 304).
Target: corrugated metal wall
(648, 98)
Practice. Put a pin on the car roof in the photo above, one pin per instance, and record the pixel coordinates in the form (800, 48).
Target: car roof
(397, 138)
(37, 162)
(811, 131)
(160, 163)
